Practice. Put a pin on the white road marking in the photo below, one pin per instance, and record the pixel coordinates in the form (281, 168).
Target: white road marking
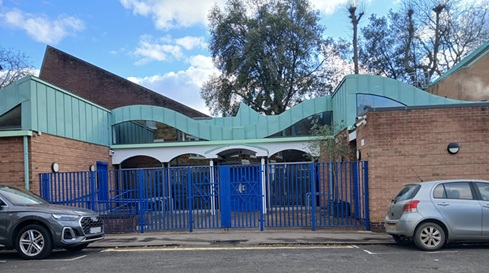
(146, 249)
(439, 252)
(65, 260)
(401, 253)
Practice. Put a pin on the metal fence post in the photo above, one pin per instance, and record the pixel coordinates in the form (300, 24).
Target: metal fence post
(141, 200)
(93, 190)
(262, 196)
(46, 186)
(312, 175)
(365, 189)
(356, 182)
(190, 199)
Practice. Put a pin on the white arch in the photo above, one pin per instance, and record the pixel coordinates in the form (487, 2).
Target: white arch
(259, 151)
(166, 154)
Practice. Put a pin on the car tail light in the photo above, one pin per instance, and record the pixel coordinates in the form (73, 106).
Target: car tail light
(411, 206)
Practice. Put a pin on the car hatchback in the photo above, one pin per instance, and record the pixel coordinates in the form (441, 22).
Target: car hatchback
(438, 212)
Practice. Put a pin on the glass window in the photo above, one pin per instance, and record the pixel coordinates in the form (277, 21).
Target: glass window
(11, 120)
(304, 126)
(457, 190)
(439, 192)
(146, 131)
(21, 197)
(408, 192)
(484, 190)
(365, 101)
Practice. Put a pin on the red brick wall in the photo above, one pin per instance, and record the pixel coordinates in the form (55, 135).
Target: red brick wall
(71, 156)
(12, 161)
(399, 145)
(100, 86)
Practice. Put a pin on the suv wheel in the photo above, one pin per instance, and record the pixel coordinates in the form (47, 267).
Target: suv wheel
(33, 242)
(429, 236)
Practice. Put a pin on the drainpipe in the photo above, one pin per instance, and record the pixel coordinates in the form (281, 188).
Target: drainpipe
(26, 162)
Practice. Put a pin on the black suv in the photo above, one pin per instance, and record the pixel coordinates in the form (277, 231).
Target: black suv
(34, 227)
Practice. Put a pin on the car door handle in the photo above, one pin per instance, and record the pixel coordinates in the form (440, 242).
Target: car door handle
(443, 204)
(486, 206)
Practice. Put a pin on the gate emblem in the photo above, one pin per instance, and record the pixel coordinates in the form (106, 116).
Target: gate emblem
(241, 188)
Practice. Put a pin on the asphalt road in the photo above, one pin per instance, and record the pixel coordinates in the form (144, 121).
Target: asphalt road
(348, 258)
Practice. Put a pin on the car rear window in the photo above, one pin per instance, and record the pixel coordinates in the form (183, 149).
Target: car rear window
(408, 192)
(453, 190)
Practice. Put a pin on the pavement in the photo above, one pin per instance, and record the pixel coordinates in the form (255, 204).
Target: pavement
(242, 238)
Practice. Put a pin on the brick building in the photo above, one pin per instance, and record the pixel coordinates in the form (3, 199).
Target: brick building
(77, 116)
(410, 145)
(100, 86)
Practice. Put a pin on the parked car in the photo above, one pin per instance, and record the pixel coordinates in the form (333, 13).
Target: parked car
(34, 227)
(435, 213)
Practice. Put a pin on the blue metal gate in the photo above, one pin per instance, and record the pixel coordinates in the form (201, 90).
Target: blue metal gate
(242, 196)
(317, 195)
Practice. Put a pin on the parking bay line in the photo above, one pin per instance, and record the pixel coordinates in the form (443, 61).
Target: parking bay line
(145, 249)
(396, 253)
(65, 260)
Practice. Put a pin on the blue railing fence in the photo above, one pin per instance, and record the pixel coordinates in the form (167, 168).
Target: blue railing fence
(309, 195)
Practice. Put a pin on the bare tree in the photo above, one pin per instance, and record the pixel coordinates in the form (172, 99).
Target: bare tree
(424, 39)
(13, 66)
(424, 33)
(355, 18)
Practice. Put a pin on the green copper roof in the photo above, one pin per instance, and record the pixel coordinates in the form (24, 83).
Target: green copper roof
(345, 96)
(247, 124)
(49, 109)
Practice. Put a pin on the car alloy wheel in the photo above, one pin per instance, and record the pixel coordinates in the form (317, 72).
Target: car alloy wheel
(33, 242)
(429, 236)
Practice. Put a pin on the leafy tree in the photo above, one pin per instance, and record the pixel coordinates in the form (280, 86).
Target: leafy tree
(269, 55)
(336, 65)
(424, 39)
(13, 66)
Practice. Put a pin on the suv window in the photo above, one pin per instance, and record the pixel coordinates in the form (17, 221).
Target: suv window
(21, 197)
(408, 192)
(457, 190)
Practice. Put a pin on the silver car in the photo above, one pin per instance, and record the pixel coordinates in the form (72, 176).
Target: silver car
(34, 227)
(438, 212)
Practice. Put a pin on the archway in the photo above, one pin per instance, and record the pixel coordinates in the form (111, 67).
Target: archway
(139, 162)
(238, 156)
(290, 156)
(185, 160)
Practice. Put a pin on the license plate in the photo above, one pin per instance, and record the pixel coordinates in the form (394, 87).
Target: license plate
(95, 230)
